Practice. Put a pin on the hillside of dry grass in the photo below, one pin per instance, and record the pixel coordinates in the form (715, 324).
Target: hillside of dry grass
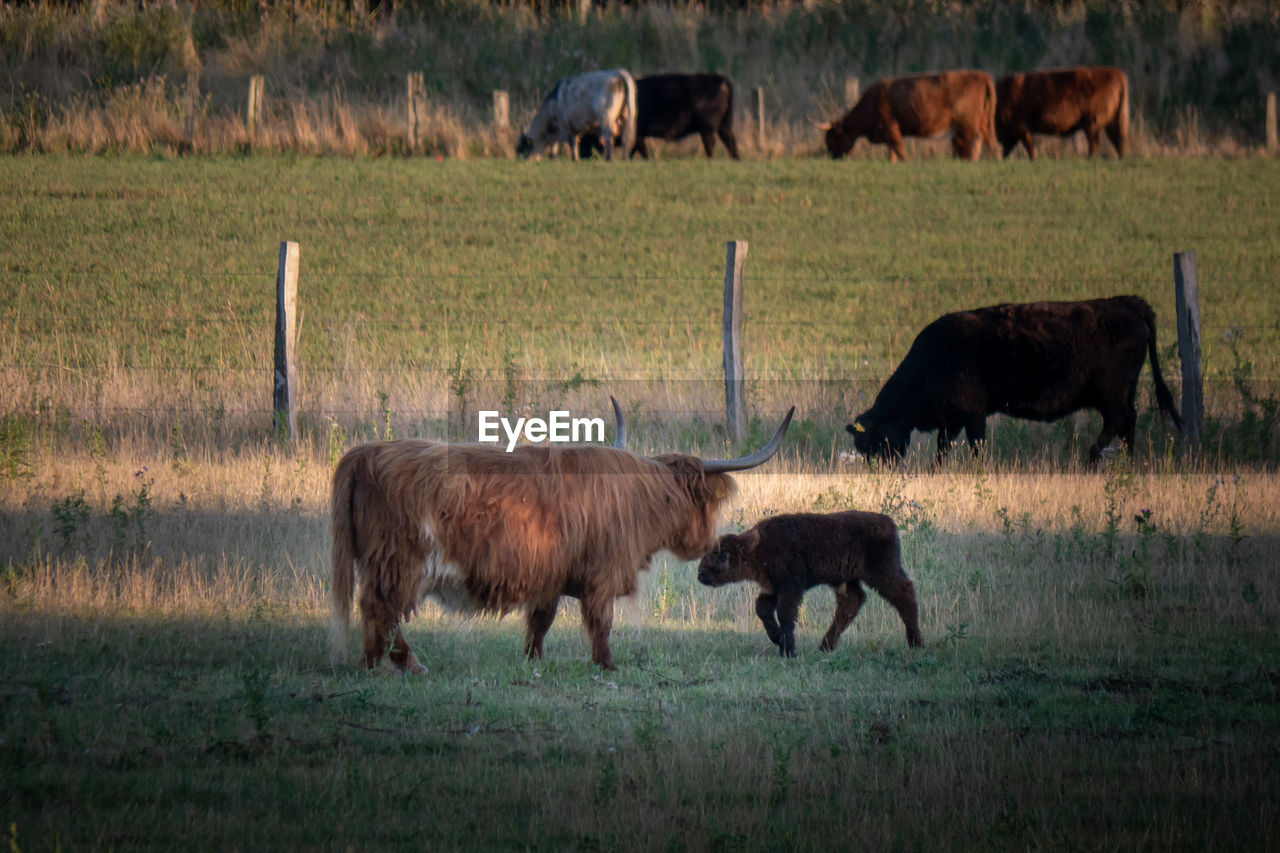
(109, 76)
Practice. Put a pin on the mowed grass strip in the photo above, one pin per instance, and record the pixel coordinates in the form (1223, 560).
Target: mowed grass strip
(155, 262)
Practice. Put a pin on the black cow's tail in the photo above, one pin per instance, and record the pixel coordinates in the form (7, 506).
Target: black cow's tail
(1163, 396)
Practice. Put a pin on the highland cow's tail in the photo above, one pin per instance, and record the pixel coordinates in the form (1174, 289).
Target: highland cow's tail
(1163, 396)
(345, 548)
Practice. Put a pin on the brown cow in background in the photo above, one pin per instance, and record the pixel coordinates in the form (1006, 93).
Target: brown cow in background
(962, 103)
(1060, 103)
(481, 529)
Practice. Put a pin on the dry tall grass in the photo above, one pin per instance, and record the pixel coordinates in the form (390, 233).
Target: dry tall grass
(335, 77)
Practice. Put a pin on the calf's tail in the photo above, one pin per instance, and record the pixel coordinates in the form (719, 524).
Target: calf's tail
(1122, 116)
(1163, 396)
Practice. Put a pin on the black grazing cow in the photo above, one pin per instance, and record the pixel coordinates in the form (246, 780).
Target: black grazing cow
(673, 106)
(788, 554)
(1042, 360)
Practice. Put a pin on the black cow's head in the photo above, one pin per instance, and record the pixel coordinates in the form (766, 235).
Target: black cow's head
(839, 143)
(881, 440)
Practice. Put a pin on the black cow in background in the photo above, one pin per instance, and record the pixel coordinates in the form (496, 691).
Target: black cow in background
(1042, 360)
(673, 106)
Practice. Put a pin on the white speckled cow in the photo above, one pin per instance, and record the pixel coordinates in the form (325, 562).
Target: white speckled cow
(603, 101)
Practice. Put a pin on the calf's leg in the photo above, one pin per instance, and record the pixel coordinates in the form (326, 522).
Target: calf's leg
(849, 599)
(788, 611)
(766, 604)
(900, 592)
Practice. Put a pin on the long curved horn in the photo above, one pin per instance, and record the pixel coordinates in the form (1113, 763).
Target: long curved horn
(620, 434)
(742, 463)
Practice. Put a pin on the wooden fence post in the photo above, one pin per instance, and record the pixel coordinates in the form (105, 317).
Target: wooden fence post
(501, 109)
(852, 91)
(735, 404)
(415, 95)
(760, 117)
(285, 391)
(1186, 285)
(1273, 136)
(253, 110)
(189, 112)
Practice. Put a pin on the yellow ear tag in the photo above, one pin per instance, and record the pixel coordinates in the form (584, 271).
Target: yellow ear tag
(857, 427)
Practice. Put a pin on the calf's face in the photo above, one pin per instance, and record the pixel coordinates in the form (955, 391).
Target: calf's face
(728, 561)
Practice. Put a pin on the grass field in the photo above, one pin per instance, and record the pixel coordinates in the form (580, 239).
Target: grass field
(1102, 660)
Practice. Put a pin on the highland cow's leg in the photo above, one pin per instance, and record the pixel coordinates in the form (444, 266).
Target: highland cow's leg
(537, 622)
(402, 656)
(766, 605)
(597, 619)
(384, 635)
(849, 599)
(788, 612)
(900, 592)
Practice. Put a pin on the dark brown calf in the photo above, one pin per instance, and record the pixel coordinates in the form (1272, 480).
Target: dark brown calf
(788, 554)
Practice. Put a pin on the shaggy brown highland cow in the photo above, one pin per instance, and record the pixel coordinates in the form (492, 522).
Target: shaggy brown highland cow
(481, 529)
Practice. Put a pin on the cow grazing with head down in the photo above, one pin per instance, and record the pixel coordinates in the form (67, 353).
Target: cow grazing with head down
(673, 106)
(481, 529)
(788, 554)
(962, 103)
(1060, 103)
(1042, 360)
(603, 101)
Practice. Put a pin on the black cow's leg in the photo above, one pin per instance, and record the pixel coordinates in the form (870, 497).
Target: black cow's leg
(946, 434)
(766, 604)
(1029, 142)
(708, 141)
(975, 432)
(537, 622)
(788, 612)
(849, 599)
(726, 136)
